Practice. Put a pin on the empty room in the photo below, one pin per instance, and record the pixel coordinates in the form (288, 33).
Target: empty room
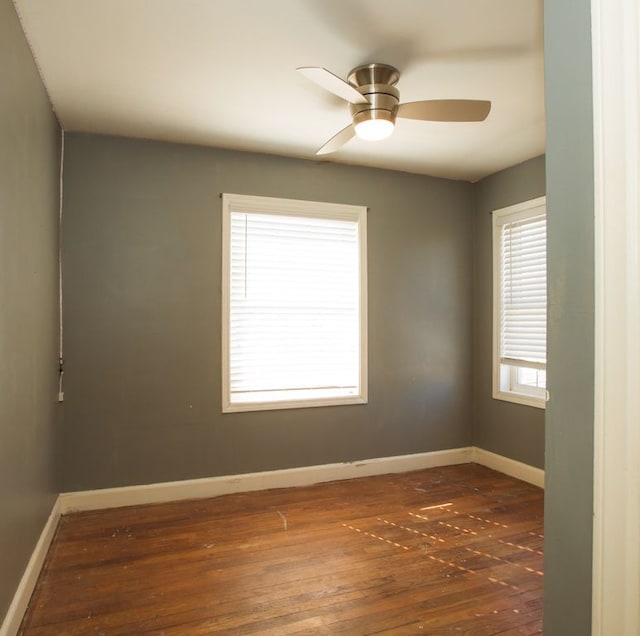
(319, 317)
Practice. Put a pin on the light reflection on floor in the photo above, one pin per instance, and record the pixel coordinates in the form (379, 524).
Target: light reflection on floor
(461, 533)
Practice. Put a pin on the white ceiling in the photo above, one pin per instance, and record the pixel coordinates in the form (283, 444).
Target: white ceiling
(222, 73)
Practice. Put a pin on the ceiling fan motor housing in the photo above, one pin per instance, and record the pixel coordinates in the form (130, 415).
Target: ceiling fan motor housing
(377, 83)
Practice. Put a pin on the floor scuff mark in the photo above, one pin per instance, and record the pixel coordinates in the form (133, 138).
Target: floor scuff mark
(284, 520)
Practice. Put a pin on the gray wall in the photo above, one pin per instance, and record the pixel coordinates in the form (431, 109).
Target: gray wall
(509, 429)
(142, 315)
(29, 143)
(569, 415)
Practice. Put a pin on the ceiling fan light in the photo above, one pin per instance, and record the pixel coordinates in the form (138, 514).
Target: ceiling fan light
(374, 129)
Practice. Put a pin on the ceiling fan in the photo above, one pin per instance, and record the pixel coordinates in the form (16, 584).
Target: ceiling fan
(375, 103)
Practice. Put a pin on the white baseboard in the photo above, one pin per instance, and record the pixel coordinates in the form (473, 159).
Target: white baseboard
(290, 477)
(21, 598)
(511, 467)
(215, 486)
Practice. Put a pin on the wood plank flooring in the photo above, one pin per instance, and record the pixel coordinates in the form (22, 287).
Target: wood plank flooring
(452, 550)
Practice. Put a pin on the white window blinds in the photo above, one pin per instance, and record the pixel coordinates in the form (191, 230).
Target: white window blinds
(523, 293)
(294, 314)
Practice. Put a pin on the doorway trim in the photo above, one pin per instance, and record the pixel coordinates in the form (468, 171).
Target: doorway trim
(616, 100)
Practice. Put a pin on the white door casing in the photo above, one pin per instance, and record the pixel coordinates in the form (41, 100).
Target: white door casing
(616, 97)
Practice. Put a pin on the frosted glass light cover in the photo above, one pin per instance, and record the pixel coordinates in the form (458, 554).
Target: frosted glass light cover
(374, 129)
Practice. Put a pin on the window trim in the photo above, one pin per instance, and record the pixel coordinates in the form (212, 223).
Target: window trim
(499, 370)
(299, 208)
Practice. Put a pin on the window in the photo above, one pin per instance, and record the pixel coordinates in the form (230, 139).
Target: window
(293, 304)
(520, 303)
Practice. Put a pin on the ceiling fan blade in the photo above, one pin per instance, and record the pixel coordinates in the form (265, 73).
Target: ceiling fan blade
(333, 84)
(446, 110)
(338, 140)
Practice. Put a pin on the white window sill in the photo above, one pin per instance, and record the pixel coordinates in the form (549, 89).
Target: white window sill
(519, 398)
(292, 404)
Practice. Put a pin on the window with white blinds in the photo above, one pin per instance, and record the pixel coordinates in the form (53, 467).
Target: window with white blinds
(294, 303)
(520, 302)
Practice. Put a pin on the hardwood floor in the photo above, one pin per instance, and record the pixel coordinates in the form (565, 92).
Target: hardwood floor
(453, 550)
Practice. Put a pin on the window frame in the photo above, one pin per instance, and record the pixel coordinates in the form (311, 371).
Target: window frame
(504, 376)
(297, 208)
